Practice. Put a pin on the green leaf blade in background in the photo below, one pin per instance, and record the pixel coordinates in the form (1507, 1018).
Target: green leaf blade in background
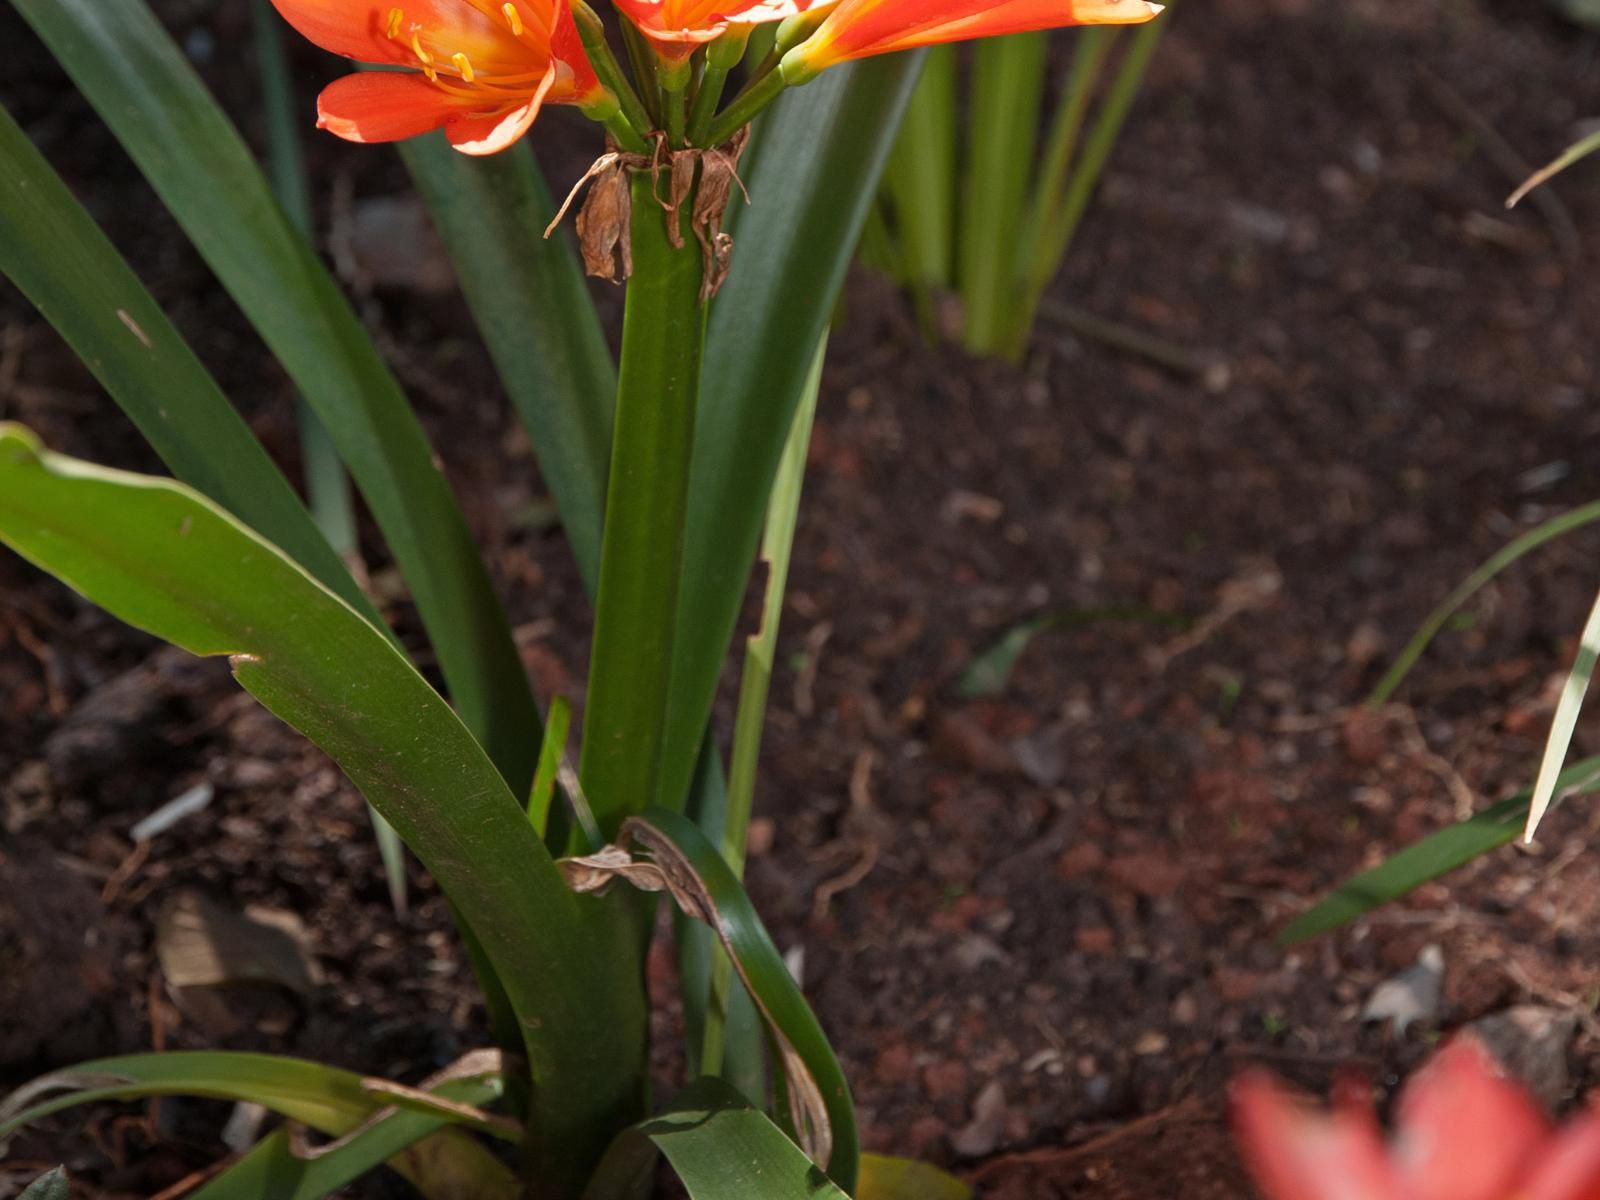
(1007, 93)
(162, 557)
(812, 172)
(1432, 856)
(57, 256)
(138, 80)
(920, 177)
(530, 302)
(52, 1185)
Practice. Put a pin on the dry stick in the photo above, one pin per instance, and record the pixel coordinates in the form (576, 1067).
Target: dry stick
(1506, 159)
(1189, 1109)
(1208, 366)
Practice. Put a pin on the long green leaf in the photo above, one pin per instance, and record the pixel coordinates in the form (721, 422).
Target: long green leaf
(164, 558)
(1574, 153)
(1498, 561)
(721, 1147)
(814, 165)
(143, 87)
(55, 253)
(530, 302)
(763, 972)
(441, 1163)
(755, 681)
(1433, 856)
(325, 1098)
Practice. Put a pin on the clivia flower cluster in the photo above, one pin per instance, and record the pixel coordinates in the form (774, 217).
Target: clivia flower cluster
(482, 69)
(1462, 1132)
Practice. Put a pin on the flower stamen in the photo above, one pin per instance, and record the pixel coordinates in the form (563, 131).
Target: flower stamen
(396, 17)
(513, 18)
(463, 65)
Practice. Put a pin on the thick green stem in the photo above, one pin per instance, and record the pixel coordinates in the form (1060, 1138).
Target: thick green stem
(641, 557)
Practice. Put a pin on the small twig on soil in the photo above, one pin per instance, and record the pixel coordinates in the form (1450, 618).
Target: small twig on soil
(806, 679)
(1506, 159)
(1207, 366)
(1187, 1109)
(125, 871)
(1465, 800)
(193, 1180)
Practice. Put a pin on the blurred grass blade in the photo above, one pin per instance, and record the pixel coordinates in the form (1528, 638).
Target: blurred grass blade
(162, 558)
(920, 178)
(813, 168)
(884, 1177)
(720, 1146)
(55, 253)
(810, 1064)
(558, 722)
(142, 86)
(1007, 91)
(532, 306)
(783, 510)
(1433, 856)
(1565, 720)
(1047, 253)
(989, 673)
(1577, 151)
(52, 1185)
(1509, 553)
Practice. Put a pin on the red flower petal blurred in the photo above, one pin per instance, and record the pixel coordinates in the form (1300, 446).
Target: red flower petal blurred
(678, 26)
(1296, 1153)
(1463, 1130)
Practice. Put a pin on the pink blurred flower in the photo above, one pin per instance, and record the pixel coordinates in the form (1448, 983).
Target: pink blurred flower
(1463, 1131)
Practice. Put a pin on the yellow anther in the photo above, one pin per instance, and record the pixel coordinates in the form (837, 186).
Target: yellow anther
(513, 17)
(463, 65)
(396, 16)
(423, 56)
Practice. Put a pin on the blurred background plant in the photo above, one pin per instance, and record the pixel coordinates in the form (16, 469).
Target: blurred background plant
(986, 190)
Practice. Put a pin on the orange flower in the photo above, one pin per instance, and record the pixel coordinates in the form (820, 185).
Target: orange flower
(860, 28)
(1463, 1132)
(480, 70)
(676, 27)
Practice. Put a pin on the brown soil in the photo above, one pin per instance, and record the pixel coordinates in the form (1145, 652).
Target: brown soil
(1065, 896)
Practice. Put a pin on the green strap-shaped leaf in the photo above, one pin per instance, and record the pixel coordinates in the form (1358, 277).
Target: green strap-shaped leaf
(812, 170)
(140, 83)
(530, 302)
(1433, 856)
(327, 1099)
(162, 557)
(722, 1148)
(441, 1163)
(764, 974)
(55, 253)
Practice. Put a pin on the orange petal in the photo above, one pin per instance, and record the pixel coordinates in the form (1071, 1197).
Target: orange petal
(478, 135)
(859, 28)
(359, 29)
(385, 106)
(1464, 1131)
(696, 21)
(1298, 1154)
